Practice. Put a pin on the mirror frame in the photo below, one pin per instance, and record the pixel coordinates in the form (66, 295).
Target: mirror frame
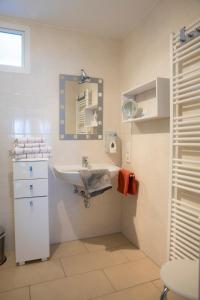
(62, 117)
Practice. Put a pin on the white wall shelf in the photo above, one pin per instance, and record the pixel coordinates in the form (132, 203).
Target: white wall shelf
(152, 99)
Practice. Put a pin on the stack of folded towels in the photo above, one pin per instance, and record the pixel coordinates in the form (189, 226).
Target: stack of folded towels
(31, 147)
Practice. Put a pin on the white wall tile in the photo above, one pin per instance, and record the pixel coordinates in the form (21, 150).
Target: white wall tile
(29, 104)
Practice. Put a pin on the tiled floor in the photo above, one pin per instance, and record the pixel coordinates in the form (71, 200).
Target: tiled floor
(102, 268)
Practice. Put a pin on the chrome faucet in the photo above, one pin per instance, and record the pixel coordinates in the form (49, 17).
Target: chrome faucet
(85, 163)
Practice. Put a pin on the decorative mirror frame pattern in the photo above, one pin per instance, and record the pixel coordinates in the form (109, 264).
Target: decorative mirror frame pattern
(64, 136)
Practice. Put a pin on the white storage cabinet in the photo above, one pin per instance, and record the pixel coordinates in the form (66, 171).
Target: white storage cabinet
(31, 210)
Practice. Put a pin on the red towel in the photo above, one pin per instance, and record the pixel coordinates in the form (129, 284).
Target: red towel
(127, 184)
(133, 184)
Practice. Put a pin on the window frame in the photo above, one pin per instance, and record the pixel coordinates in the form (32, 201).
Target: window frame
(24, 31)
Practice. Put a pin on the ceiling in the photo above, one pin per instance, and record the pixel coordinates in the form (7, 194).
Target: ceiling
(109, 18)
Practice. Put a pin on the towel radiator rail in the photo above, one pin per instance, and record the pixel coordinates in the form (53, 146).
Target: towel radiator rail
(184, 225)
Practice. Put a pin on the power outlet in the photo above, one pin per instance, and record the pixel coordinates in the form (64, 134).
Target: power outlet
(128, 152)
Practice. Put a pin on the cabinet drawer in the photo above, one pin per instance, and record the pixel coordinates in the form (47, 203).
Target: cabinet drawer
(31, 228)
(30, 170)
(30, 188)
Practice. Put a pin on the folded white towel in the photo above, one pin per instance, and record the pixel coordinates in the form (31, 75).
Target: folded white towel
(18, 150)
(20, 156)
(31, 139)
(45, 149)
(39, 139)
(46, 155)
(42, 144)
(30, 155)
(35, 155)
(32, 150)
(28, 150)
(38, 155)
(21, 140)
(35, 150)
(29, 145)
(20, 145)
(36, 145)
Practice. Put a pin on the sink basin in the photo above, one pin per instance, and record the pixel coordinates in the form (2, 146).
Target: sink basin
(71, 173)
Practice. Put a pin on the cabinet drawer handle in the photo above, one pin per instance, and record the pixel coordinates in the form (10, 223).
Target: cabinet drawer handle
(31, 203)
(31, 169)
(31, 187)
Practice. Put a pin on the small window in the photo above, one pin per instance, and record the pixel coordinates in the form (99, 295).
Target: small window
(14, 48)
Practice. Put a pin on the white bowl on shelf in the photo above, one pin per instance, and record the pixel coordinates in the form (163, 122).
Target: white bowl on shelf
(129, 109)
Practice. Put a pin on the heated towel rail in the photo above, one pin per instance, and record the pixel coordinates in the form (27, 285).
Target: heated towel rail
(184, 231)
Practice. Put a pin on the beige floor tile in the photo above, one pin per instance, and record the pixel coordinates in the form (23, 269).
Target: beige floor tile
(131, 253)
(16, 277)
(159, 284)
(91, 261)
(171, 296)
(105, 242)
(19, 294)
(80, 287)
(10, 262)
(132, 273)
(67, 249)
(142, 292)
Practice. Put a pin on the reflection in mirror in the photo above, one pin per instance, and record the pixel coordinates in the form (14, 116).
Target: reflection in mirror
(81, 113)
(81, 107)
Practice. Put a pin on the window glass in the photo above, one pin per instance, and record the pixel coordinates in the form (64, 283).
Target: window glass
(11, 49)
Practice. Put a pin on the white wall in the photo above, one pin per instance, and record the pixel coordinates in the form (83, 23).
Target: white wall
(146, 56)
(29, 104)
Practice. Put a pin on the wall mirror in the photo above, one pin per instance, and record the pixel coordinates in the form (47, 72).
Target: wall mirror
(81, 108)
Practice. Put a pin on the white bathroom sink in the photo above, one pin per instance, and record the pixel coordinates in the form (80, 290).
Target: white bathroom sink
(71, 173)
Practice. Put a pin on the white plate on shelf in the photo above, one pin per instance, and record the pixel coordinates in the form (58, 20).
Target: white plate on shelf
(129, 109)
